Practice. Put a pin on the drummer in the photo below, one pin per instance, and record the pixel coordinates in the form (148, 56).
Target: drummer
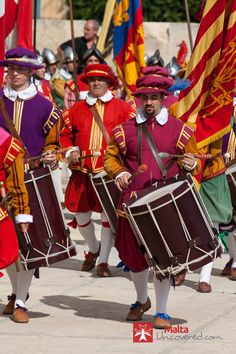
(37, 122)
(123, 156)
(83, 136)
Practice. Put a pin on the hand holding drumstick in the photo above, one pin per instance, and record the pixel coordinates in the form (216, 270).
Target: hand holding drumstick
(125, 178)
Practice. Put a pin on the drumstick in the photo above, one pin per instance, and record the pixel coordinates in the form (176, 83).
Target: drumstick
(62, 151)
(56, 152)
(164, 155)
(94, 154)
(142, 168)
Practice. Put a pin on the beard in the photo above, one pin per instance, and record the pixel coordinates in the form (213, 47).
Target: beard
(149, 111)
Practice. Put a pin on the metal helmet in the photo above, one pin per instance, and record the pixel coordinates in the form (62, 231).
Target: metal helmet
(40, 59)
(92, 51)
(49, 57)
(68, 54)
(156, 59)
(146, 58)
(173, 67)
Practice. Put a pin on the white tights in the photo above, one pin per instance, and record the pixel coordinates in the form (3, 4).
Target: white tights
(87, 230)
(162, 289)
(20, 282)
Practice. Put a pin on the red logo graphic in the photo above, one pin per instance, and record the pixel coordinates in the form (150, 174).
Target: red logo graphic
(142, 332)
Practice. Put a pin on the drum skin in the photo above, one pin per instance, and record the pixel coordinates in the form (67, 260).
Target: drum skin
(163, 212)
(109, 197)
(56, 248)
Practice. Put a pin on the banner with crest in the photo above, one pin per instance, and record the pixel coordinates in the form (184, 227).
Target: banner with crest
(128, 41)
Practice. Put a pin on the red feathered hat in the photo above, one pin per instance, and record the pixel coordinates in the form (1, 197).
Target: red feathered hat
(155, 79)
(99, 70)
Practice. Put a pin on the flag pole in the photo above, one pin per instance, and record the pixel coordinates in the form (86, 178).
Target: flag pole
(35, 23)
(188, 24)
(73, 47)
(107, 18)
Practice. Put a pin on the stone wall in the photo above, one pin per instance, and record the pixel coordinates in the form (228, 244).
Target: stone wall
(55, 9)
(162, 35)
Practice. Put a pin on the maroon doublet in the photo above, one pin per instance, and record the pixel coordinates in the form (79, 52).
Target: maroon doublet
(171, 138)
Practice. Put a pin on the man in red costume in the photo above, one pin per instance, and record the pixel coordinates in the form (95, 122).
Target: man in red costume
(82, 136)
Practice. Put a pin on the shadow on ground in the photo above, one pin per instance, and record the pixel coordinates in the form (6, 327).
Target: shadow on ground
(85, 307)
(32, 314)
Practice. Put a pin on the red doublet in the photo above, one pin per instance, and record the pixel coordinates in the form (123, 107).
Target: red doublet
(81, 130)
(9, 149)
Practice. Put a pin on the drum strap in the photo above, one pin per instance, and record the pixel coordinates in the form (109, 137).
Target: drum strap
(100, 123)
(140, 133)
(12, 129)
(163, 168)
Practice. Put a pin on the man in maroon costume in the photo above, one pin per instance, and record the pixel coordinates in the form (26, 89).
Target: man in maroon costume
(82, 136)
(120, 162)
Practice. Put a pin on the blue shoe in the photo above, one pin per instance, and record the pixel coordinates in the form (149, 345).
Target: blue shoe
(161, 320)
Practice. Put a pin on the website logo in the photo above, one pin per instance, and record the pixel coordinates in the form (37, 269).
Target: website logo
(142, 332)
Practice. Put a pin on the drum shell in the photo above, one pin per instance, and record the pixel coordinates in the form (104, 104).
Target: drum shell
(164, 213)
(109, 196)
(55, 244)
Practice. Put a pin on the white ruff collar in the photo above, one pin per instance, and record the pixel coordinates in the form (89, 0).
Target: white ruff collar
(105, 98)
(161, 117)
(12, 95)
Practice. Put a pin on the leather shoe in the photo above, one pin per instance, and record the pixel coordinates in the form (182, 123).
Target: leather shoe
(90, 260)
(103, 270)
(20, 315)
(161, 321)
(227, 268)
(233, 274)
(9, 308)
(179, 279)
(203, 287)
(137, 310)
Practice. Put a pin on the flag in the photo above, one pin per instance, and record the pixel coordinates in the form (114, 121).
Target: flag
(15, 26)
(128, 41)
(18, 23)
(208, 102)
(182, 53)
(24, 24)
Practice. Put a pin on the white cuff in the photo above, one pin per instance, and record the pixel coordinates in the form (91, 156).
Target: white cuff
(121, 174)
(23, 218)
(74, 148)
(190, 169)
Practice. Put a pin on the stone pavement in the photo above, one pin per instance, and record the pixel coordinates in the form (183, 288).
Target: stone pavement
(75, 312)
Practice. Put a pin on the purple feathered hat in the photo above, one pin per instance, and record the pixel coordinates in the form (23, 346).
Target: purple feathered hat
(22, 57)
(155, 79)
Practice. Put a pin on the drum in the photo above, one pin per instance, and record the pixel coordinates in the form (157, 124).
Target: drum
(47, 240)
(108, 195)
(231, 178)
(173, 227)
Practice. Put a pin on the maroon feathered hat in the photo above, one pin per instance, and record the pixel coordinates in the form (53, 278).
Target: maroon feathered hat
(154, 79)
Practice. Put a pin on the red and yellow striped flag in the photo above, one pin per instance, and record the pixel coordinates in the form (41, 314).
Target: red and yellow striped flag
(208, 102)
